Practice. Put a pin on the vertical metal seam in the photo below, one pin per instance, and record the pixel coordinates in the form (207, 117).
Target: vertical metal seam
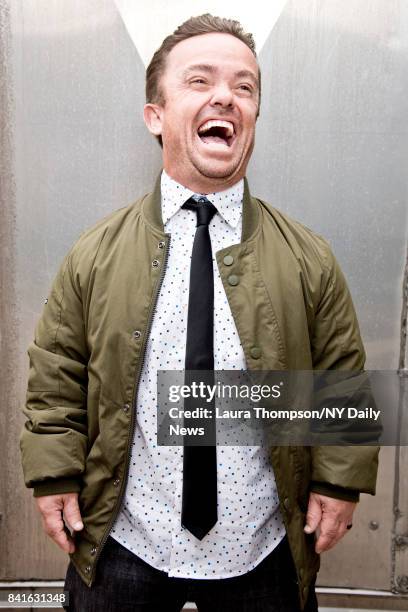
(8, 343)
(404, 323)
(395, 586)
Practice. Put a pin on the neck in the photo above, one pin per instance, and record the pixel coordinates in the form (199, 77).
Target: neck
(203, 185)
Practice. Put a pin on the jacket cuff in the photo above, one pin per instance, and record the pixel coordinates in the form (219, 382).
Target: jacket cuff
(53, 486)
(335, 491)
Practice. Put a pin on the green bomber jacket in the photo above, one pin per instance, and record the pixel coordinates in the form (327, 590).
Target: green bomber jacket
(292, 310)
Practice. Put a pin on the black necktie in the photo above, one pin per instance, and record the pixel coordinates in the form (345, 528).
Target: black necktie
(199, 503)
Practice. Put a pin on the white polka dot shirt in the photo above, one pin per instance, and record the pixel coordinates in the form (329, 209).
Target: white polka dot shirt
(250, 523)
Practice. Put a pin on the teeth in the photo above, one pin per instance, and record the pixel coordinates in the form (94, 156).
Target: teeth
(217, 123)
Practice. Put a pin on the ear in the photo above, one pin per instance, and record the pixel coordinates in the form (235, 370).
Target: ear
(152, 115)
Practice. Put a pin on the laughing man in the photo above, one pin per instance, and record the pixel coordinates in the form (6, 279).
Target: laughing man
(201, 273)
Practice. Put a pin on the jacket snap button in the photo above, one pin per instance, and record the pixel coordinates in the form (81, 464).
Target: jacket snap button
(233, 279)
(228, 260)
(87, 569)
(137, 333)
(126, 408)
(93, 550)
(256, 352)
(155, 263)
(161, 244)
(116, 482)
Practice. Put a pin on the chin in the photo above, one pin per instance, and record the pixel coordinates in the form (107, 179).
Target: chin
(216, 170)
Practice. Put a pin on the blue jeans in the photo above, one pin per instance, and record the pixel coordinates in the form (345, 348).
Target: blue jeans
(125, 583)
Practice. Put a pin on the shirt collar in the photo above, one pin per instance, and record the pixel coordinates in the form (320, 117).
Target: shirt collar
(228, 202)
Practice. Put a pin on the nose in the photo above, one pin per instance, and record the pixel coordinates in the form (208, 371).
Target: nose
(222, 96)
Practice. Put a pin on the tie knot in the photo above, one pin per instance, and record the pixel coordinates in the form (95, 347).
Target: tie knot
(204, 209)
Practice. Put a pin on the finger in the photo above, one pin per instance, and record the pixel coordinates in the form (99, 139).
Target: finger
(72, 513)
(327, 546)
(55, 529)
(331, 532)
(314, 515)
(325, 542)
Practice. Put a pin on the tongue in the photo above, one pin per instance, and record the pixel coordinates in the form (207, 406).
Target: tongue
(213, 139)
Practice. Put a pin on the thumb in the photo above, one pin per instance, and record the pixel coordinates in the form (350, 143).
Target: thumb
(314, 514)
(72, 513)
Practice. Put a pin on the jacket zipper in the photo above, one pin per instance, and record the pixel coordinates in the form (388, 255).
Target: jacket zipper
(133, 416)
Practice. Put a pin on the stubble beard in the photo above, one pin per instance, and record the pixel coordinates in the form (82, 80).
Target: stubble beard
(215, 173)
(207, 169)
(210, 171)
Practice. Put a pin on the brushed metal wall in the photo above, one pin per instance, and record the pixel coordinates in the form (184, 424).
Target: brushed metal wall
(331, 151)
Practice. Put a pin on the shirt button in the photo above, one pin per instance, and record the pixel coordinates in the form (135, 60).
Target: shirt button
(233, 279)
(161, 244)
(228, 260)
(88, 569)
(137, 333)
(256, 352)
(93, 550)
(286, 503)
(126, 407)
(116, 482)
(155, 263)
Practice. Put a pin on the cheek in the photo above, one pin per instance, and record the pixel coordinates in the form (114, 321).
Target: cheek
(249, 131)
(250, 115)
(170, 129)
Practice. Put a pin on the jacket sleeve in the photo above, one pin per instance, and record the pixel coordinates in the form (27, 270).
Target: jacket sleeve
(53, 441)
(340, 471)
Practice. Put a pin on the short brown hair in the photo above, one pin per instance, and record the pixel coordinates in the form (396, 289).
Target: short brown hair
(203, 24)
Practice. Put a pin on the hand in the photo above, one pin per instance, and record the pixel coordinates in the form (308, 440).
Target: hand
(55, 508)
(331, 516)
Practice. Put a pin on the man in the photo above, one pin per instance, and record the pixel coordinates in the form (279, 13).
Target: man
(127, 301)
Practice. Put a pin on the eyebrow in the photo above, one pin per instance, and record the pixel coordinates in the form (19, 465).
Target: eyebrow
(213, 69)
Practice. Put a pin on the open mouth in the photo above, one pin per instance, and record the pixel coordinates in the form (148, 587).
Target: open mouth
(218, 132)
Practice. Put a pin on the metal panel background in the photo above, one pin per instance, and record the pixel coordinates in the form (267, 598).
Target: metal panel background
(80, 150)
(331, 151)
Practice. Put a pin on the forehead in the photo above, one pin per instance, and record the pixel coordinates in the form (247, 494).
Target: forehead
(221, 50)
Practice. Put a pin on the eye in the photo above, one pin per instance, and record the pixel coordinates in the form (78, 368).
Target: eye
(198, 80)
(245, 87)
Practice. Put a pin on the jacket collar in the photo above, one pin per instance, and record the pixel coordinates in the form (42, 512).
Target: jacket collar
(151, 211)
